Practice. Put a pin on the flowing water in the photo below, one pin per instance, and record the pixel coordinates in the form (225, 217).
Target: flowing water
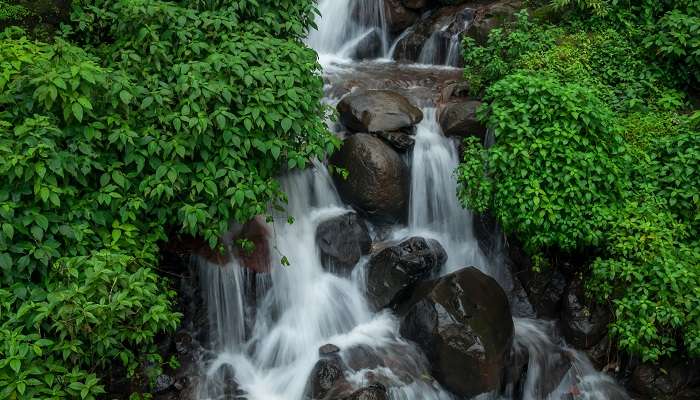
(269, 352)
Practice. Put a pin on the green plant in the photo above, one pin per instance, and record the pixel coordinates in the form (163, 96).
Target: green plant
(551, 175)
(595, 149)
(143, 117)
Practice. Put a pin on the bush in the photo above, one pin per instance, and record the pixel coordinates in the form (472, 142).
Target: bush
(595, 149)
(142, 117)
(550, 177)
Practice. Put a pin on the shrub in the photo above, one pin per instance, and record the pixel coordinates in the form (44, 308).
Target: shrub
(551, 174)
(142, 117)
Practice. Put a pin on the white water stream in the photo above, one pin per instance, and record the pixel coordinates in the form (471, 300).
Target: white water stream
(307, 307)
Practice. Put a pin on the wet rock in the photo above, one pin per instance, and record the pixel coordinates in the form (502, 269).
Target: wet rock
(459, 119)
(378, 183)
(493, 16)
(343, 240)
(545, 290)
(668, 380)
(362, 357)
(455, 91)
(435, 29)
(395, 269)
(400, 141)
(257, 232)
(398, 17)
(369, 46)
(462, 322)
(328, 349)
(163, 383)
(375, 391)
(325, 376)
(584, 324)
(415, 4)
(377, 111)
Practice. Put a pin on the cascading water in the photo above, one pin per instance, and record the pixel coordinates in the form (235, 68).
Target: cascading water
(270, 354)
(434, 208)
(344, 23)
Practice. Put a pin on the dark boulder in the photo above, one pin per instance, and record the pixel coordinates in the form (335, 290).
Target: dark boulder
(343, 240)
(400, 141)
(375, 391)
(584, 324)
(395, 269)
(462, 322)
(378, 183)
(668, 380)
(398, 17)
(415, 4)
(459, 119)
(326, 376)
(493, 16)
(369, 46)
(455, 91)
(328, 349)
(545, 290)
(377, 111)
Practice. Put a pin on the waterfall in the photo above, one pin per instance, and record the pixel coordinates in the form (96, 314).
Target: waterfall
(342, 24)
(306, 307)
(556, 372)
(264, 346)
(434, 209)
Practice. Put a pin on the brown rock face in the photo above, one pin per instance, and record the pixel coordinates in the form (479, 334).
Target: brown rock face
(398, 17)
(463, 323)
(459, 119)
(378, 183)
(377, 111)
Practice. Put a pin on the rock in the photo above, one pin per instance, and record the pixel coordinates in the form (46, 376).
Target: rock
(343, 240)
(375, 391)
(436, 29)
(668, 380)
(491, 17)
(545, 290)
(257, 232)
(369, 46)
(455, 91)
(325, 376)
(415, 4)
(583, 326)
(163, 383)
(462, 322)
(377, 111)
(400, 141)
(379, 181)
(361, 357)
(393, 270)
(459, 119)
(328, 349)
(398, 17)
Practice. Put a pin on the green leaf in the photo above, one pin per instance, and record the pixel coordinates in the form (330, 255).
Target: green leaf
(5, 261)
(8, 230)
(286, 124)
(146, 102)
(125, 96)
(275, 150)
(15, 364)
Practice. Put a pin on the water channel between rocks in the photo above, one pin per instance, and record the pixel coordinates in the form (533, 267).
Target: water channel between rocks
(323, 327)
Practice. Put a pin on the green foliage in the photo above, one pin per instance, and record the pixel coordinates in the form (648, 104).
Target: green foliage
(487, 64)
(142, 118)
(652, 277)
(595, 150)
(540, 126)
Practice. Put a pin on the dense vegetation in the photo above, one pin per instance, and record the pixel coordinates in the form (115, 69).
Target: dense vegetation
(597, 150)
(137, 119)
